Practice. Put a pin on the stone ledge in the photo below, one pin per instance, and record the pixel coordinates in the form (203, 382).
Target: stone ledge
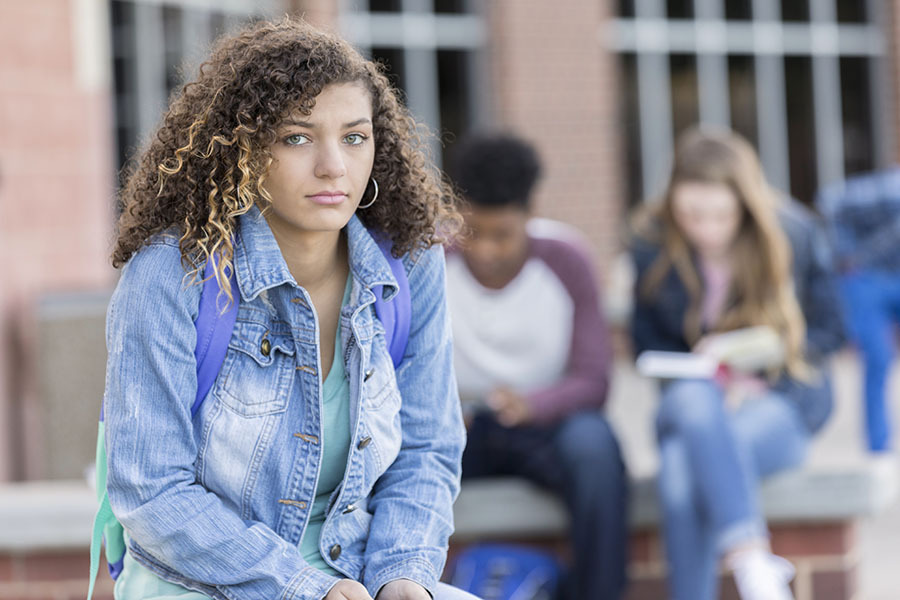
(53, 515)
(46, 515)
(513, 508)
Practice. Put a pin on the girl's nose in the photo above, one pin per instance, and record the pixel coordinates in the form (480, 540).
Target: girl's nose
(330, 162)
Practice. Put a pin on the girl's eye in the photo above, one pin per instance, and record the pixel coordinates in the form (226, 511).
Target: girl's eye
(355, 139)
(297, 139)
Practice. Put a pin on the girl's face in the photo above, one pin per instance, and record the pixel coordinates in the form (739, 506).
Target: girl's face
(708, 214)
(322, 162)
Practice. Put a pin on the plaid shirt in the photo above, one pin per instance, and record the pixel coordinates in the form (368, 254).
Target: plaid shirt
(863, 217)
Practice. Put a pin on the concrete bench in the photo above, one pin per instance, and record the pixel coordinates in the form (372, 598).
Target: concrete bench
(45, 534)
(46, 527)
(513, 508)
(812, 514)
(812, 511)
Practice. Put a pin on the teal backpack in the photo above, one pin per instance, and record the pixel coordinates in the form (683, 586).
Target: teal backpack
(214, 329)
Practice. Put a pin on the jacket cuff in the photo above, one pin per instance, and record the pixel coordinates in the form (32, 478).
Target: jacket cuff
(309, 584)
(414, 569)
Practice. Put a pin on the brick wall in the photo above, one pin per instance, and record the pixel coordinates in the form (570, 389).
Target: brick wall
(555, 85)
(56, 180)
(322, 13)
(892, 33)
(825, 556)
(60, 575)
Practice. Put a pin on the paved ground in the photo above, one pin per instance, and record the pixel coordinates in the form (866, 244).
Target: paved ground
(632, 408)
(879, 535)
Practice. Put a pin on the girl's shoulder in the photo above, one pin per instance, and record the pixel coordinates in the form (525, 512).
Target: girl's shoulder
(644, 252)
(157, 272)
(157, 261)
(421, 261)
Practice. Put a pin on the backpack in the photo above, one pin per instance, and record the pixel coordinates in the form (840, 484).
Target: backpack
(507, 572)
(214, 329)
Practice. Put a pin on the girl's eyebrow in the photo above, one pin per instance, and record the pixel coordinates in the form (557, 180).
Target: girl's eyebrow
(309, 125)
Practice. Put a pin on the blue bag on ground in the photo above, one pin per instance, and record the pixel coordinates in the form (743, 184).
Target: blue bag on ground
(506, 572)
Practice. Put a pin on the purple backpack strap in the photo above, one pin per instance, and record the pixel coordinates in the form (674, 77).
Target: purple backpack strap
(395, 315)
(214, 330)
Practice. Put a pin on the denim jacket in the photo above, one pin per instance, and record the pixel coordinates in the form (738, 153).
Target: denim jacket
(219, 503)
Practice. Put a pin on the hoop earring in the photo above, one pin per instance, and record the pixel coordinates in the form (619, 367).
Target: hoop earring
(375, 197)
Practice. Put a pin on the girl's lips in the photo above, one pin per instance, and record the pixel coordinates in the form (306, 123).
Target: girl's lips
(327, 198)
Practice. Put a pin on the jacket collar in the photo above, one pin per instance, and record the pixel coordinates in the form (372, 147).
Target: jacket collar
(260, 264)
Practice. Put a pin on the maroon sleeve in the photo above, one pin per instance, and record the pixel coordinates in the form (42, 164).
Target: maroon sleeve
(586, 380)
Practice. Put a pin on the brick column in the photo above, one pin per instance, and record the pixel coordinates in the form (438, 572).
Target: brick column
(322, 13)
(56, 170)
(51, 575)
(825, 555)
(555, 85)
(892, 34)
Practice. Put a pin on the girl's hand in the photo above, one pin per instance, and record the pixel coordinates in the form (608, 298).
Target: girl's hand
(510, 408)
(348, 589)
(403, 589)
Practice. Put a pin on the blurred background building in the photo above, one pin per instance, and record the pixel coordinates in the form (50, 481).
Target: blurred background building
(601, 86)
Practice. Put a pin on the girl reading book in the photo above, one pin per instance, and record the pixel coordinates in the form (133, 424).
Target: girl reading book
(722, 252)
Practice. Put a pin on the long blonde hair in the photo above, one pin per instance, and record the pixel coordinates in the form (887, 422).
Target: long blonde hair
(761, 289)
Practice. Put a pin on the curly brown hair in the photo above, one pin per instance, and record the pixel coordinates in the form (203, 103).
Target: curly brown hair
(208, 161)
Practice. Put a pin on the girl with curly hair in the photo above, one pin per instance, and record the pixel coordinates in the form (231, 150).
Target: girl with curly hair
(722, 252)
(314, 469)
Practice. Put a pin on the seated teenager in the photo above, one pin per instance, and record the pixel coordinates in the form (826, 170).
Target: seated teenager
(532, 357)
(722, 252)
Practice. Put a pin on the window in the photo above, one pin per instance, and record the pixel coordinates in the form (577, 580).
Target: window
(795, 10)
(431, 50)
(742, 95)
(384, 5)
(738, 10)
(155, 44)
(802, 80)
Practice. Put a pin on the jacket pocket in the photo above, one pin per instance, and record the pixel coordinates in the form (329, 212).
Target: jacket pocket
(257, 375)
(381, 411)
(380, 381)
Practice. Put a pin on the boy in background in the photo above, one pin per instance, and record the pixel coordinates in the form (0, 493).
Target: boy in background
(532, 356)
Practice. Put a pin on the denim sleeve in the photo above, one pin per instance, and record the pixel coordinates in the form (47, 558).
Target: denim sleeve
(880, 245)
(412, 501)
(181, 529)
(645, 328)
(586, 380)
(820, 302)
(840, 224)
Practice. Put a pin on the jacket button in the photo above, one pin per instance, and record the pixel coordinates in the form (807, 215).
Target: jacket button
(369, 373)
(364, 442)
(265, 347)
(350, 508)
(335, 552)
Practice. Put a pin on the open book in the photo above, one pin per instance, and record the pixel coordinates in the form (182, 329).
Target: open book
(749, 350)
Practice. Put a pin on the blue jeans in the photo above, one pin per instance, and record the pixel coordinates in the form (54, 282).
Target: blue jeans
(872, 307)
(578, 458)
(711, 461)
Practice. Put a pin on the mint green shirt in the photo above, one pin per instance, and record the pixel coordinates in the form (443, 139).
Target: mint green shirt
(335, 449)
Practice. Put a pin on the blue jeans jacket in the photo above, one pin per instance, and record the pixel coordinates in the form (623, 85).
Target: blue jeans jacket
(219, 503)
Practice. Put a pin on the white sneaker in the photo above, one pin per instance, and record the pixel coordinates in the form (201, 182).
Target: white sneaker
(760, 575)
